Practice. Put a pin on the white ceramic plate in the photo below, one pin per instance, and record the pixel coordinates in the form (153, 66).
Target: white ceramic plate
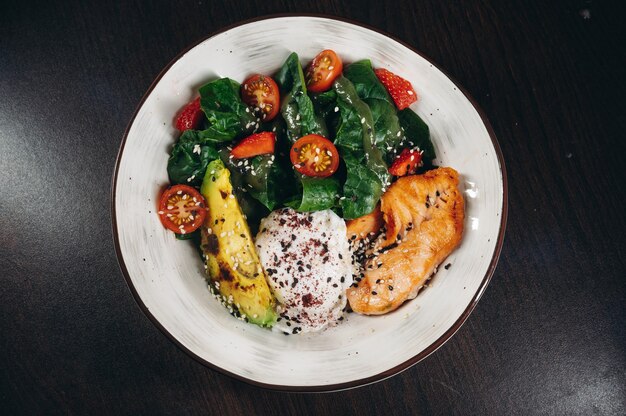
(166, 275)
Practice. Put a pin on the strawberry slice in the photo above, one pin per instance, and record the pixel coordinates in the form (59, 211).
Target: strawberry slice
(399, 88)
(254, 145)
(406, 162)
(190, 116)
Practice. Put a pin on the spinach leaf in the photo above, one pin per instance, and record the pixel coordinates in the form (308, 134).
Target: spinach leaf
(388, 133)
(365, 81)
(417, 134)
(190, 157)
(317, 194)
(362, 189)
(297, 108)
(229, 117)
(352, 108)
(266, 184)
(366, 172)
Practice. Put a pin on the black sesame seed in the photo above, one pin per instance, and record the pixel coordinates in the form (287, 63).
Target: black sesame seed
(390, 287)
(374, 293)
(335, 285)
(340, 256)
(343, 279)
(329, 279)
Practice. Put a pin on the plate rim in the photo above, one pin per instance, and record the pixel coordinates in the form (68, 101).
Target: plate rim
(348, 384)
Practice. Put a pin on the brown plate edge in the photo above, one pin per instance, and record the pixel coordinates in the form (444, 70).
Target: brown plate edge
(350, 384)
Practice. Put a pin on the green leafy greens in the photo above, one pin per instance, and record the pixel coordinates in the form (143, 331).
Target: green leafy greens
(357, 113)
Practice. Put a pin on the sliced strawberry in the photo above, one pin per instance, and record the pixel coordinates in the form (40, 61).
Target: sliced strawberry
(190, 116)
(254, 145)
(406, 162)
(399, 88)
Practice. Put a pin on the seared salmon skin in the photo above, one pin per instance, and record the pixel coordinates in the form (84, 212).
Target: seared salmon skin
(423, 215)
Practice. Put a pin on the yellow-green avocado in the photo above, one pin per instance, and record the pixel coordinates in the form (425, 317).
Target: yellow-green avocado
(232, 262)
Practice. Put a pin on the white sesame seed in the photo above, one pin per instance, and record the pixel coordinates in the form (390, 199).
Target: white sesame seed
(336, 109)
(231, 196)
(297, 117)
(363, 120)
(160, 212)
(399, 134)
(197, 149)
(410, 92)
(247, 108)
(223, 234)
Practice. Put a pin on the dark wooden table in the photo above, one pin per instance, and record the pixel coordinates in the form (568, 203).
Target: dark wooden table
(548, 336)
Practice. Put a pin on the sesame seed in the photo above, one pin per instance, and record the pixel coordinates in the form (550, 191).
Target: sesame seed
(336, 109)
(363, 120)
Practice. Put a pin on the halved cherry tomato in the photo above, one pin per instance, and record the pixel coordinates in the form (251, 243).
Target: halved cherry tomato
(254, 145)
(261, 92)
(407, 161)
(314, 155)
(323, 70)
(182, 209)
(190, 116)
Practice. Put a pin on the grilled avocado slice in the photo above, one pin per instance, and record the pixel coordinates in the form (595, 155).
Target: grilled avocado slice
(233, 265)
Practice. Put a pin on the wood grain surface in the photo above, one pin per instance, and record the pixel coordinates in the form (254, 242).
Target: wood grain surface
(548, 336)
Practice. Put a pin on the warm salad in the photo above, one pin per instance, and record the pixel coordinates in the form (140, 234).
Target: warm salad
(309, 189)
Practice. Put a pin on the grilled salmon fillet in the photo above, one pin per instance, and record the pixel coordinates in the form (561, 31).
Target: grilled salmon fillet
(424, 219)
(367, 225)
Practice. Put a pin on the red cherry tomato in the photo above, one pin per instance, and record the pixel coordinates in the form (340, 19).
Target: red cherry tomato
(182, 209)
(261, 92)
(323, 70)
(314, 155)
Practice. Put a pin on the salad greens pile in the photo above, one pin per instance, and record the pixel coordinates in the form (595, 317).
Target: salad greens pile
(357, 114)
